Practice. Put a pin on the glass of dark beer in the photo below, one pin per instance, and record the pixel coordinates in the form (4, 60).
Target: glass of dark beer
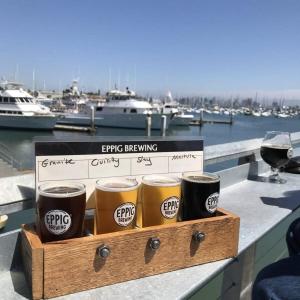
(60, 210)
(276, 150)
(200, 195)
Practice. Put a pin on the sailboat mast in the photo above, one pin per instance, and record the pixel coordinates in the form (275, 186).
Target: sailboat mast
(109, 79)
(33, 81)
(134, 78)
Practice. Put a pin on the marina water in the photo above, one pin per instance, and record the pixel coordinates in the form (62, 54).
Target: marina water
(244, 127)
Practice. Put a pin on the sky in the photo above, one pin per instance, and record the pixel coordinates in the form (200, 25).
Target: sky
(190, 47)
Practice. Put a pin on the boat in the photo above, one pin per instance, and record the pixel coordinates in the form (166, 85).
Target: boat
(181, 119)
(256, 113)
(246, 111)
(266, 113)
(122, 109)
(208, 111)
(177, 115)
(43, 100)
(216, 112)
(283, 115)
(18, 109)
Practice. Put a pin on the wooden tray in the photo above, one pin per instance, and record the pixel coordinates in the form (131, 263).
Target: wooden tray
(69, 266)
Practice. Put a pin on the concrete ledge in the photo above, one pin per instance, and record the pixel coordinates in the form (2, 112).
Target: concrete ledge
(16, 188)
(260, 205)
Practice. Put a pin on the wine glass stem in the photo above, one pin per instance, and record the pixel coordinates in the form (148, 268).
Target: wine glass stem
(275, 174)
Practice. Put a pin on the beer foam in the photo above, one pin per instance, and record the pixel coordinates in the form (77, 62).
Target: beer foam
(199, 177)
(116, 184)
(61, 189)
(278, 146)
(160, 180)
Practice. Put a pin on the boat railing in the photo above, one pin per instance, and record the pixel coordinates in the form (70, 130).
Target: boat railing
(6, 156)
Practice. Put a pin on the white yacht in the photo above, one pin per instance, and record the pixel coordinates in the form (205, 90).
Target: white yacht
(177, 115)
(266, 113)
(43, 100)
(283, 115)
(18, 109)
(121, 110)
(256, 113)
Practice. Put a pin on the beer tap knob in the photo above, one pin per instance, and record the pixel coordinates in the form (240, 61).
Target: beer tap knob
(198, 236)
(154, 243)
(103, 251)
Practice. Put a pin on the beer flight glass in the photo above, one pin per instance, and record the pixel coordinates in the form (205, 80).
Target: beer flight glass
(121, 203)
(60, 210)
(200, 195)
(159, 200)
(276, 150)
(116, 200)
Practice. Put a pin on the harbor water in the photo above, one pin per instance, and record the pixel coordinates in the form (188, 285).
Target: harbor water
(19, 142)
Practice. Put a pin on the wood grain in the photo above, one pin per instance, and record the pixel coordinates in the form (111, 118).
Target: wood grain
(33, 260)
(73, 265)
(69, 266)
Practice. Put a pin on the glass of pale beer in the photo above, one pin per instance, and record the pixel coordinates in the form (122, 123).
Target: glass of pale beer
(116, 200)
(159, 200)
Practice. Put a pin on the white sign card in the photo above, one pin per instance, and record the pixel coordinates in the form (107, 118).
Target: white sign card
(87, 160)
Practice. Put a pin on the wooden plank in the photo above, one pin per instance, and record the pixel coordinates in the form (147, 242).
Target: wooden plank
(73, 265)
(33, 260)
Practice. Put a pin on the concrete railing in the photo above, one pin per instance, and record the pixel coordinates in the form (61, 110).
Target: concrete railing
(5, 155)
(17, 192)
(241, 149)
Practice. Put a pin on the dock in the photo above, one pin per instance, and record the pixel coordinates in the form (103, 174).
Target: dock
(202, 122)
(74, 128)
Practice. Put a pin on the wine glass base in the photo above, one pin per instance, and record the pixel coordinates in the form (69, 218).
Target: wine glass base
(276, 179)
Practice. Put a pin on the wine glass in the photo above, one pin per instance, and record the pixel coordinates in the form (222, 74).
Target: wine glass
(276, 150)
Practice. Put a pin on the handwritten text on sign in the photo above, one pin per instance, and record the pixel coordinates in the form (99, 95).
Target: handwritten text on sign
(97, 166)
(88, 161)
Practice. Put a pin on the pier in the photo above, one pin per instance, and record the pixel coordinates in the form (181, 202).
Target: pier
(74, 128)
(202, 122)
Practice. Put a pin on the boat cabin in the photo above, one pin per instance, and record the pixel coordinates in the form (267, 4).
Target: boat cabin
(14, 100)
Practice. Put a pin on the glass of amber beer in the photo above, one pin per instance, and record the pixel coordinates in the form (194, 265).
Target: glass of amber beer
(116, 200)
(200, 195)
(60, 210)
(159, 200)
